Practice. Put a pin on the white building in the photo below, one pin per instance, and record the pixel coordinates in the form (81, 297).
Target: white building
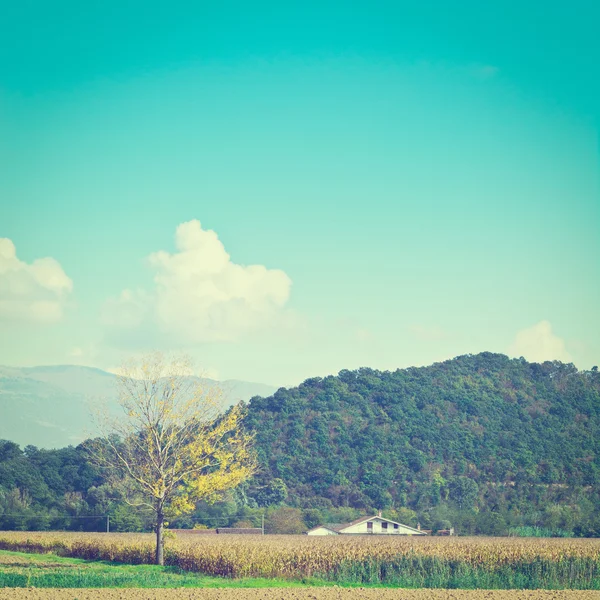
(365, 525)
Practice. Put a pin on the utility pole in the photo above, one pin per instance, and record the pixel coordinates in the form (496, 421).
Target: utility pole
(263, 524)
(107, 523)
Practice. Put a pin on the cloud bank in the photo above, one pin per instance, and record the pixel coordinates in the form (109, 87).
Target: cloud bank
(34, 292)
(539, 343)
(200, 295)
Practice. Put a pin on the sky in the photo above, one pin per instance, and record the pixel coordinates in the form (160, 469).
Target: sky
(285, 190)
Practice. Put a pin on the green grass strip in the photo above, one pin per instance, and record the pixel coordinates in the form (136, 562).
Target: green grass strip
(51, 571)
(48, 570)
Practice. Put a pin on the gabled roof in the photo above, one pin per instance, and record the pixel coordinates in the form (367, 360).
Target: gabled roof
(326, 526)
(364, 519)
(336, 526)
(339, 527)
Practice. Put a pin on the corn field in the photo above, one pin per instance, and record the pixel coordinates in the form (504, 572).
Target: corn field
(412, 562)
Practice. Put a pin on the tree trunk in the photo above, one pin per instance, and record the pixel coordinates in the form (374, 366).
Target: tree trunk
(160, 519)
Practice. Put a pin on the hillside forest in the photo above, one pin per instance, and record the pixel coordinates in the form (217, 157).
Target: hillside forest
(482, 443)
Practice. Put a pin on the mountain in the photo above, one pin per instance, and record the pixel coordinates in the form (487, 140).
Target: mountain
(483, 443)
(50, 407)
(419, 437)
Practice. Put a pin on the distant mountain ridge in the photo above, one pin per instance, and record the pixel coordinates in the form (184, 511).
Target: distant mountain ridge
(49, 406)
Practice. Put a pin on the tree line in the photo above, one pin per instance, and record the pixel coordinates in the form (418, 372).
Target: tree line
(483, 443)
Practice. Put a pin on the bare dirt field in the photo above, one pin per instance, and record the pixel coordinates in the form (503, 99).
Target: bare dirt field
(290, 594)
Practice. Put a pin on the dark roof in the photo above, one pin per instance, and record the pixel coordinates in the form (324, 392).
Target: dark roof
(240, 530)
(362, 519)
(335, 526)
(195, 531)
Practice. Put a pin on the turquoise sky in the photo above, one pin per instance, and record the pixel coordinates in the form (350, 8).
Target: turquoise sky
(411, 181)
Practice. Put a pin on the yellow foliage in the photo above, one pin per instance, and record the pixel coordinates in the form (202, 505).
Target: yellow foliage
(174, 443)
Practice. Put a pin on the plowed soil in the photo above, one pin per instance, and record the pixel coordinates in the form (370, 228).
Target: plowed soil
(291, 594)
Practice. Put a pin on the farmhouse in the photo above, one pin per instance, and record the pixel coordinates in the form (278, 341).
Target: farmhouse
(365, 525)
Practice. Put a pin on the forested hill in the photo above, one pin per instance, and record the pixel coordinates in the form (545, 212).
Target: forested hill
(483, 443)
(419, 437)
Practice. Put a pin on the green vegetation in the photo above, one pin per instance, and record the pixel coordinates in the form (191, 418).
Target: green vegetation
(433, 572)
(51, 571)
(540, 532)
(483, 443)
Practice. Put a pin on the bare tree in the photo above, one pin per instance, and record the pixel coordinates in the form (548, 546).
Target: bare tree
(172, 445)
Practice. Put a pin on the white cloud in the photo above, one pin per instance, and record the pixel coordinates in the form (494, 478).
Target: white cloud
(31, 292)
(539, 343)
(200, 295)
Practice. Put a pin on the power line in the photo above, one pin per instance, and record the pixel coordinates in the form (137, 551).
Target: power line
(58, 518)
(54, 516)
(107, 518)
(227, 518)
